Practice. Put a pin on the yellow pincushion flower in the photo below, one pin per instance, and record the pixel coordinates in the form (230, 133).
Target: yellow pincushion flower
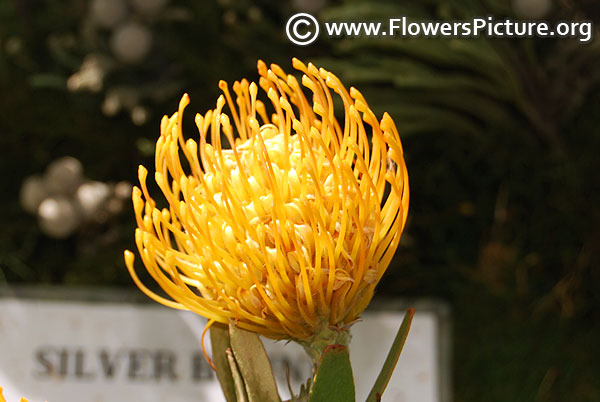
(287, 229)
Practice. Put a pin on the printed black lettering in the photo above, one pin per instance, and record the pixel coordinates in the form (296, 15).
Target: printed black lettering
(108, 363)
(138, 360)
(46, 369)
(63, 366)
(164, 365)
(80, 371)
(201, 370)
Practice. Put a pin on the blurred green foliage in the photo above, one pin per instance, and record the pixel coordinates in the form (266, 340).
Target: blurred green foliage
(500, 136)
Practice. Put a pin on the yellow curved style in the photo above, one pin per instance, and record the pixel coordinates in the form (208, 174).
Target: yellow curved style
(283, 222)
(4, 400)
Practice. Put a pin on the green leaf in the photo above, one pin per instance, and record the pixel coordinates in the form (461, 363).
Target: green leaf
(390, 362)
(240, 388)
(254, 365)
(219, 340)
(333, 380)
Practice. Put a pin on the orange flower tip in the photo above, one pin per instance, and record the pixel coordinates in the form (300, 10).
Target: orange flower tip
(253, 89)
(261, 66)
(306, 81)
(297, 64)
(142, 172)
(313, 69)
(222, 85)
(262, 81)
(158, 177)
(387, 122)
(319, 109)
(271, 75)
(138, 204)
(297, 125)
(278, 70)
(361, 106)
(185, 100)
(284, 103)
(388, 137)
(224, 119)
(129, 258)
(291, 80)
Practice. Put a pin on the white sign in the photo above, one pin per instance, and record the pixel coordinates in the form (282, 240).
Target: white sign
(75, 351)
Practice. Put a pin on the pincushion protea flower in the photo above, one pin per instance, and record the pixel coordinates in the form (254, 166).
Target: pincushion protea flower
(287, 229)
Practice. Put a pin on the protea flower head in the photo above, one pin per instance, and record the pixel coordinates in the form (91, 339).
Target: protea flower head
(284, 223)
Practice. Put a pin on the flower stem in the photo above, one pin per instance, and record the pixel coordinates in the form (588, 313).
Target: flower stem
(328, 335)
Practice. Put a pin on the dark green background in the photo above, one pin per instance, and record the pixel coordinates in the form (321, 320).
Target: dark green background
(501, 140)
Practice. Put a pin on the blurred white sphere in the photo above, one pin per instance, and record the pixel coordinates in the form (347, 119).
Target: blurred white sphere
(107, 13)
(33, 192)
(58, 216)
(114, 206)
(139, 115)
(64, 175)
(91, 197)
(131, 42)
(90, 76)
(112, 103)
(123, 190)
(149, 7)
(119, 98)
(531, 9)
